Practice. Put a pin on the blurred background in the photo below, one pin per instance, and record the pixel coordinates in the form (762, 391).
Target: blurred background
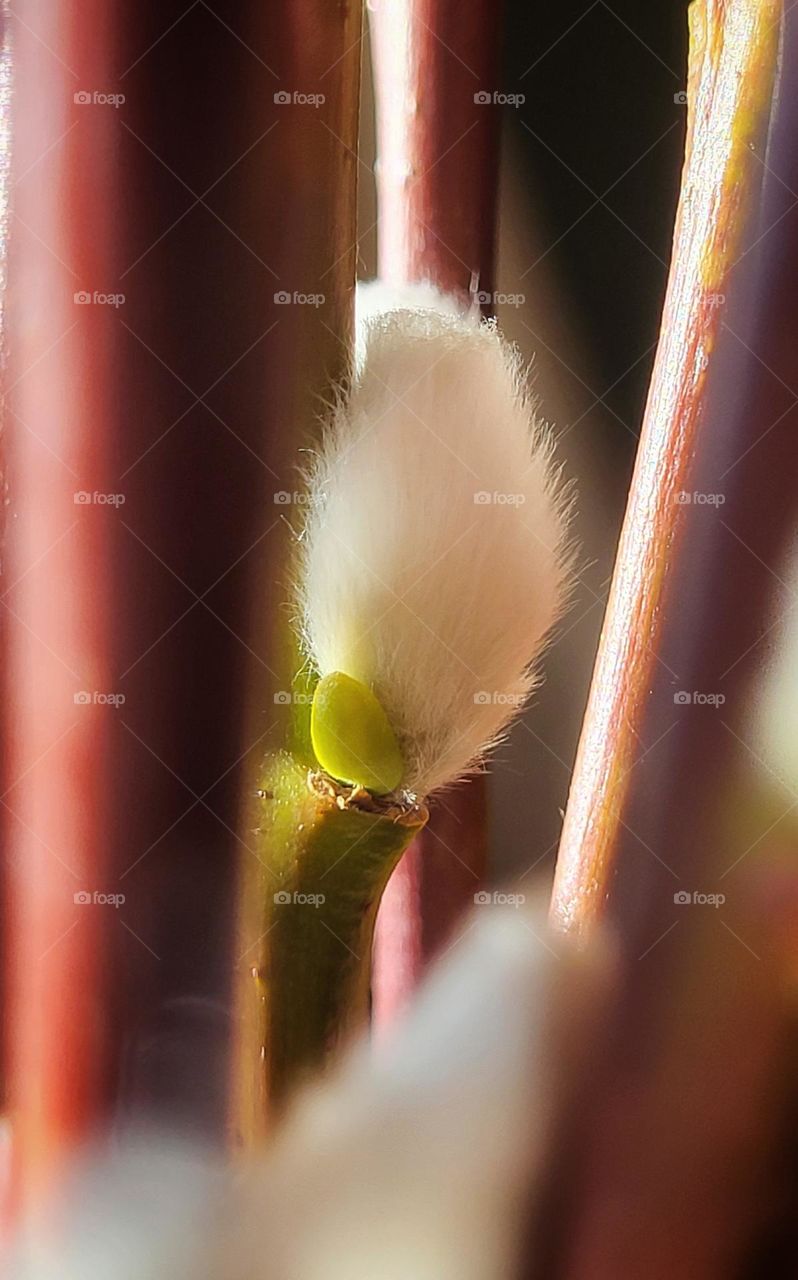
(589, 179)
(592, 152)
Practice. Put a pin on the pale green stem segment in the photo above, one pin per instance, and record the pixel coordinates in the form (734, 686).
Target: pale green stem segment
(327, 853)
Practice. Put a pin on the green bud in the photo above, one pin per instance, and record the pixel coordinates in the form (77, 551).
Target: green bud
(352, 737)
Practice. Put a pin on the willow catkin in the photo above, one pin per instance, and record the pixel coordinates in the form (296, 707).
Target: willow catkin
(434, 554)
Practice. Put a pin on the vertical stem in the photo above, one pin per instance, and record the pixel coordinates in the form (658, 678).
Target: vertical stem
(57, 585)
(311, 203)
(220, 179)
(437, 180)
(666, 798)
(247, 303)
(437, 147)
(309, 975)
(715, 391)
(5, 197)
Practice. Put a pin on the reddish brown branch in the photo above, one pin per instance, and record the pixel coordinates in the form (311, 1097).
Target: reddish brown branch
(436, 62)
(437, 142)
(57, 584)
(668, 797)
(223, 179)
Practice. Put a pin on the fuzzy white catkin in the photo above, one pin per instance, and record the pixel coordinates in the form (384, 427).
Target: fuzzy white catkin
(434, 555)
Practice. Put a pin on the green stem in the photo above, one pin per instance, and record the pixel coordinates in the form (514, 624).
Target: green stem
(306, 197)
(328, 852)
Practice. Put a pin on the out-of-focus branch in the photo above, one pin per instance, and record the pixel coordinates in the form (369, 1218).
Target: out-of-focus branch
(57, 581)
(181, 280)
(436, 67)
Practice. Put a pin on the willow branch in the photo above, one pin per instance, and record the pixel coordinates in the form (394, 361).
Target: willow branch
(668, 799)
(435, 61)
(310, 196)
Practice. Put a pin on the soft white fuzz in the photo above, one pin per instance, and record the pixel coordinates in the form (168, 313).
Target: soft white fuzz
(433, 554)
(375, 298)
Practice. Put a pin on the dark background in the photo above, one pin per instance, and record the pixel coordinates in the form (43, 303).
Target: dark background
(599, 82)
(591, 167)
